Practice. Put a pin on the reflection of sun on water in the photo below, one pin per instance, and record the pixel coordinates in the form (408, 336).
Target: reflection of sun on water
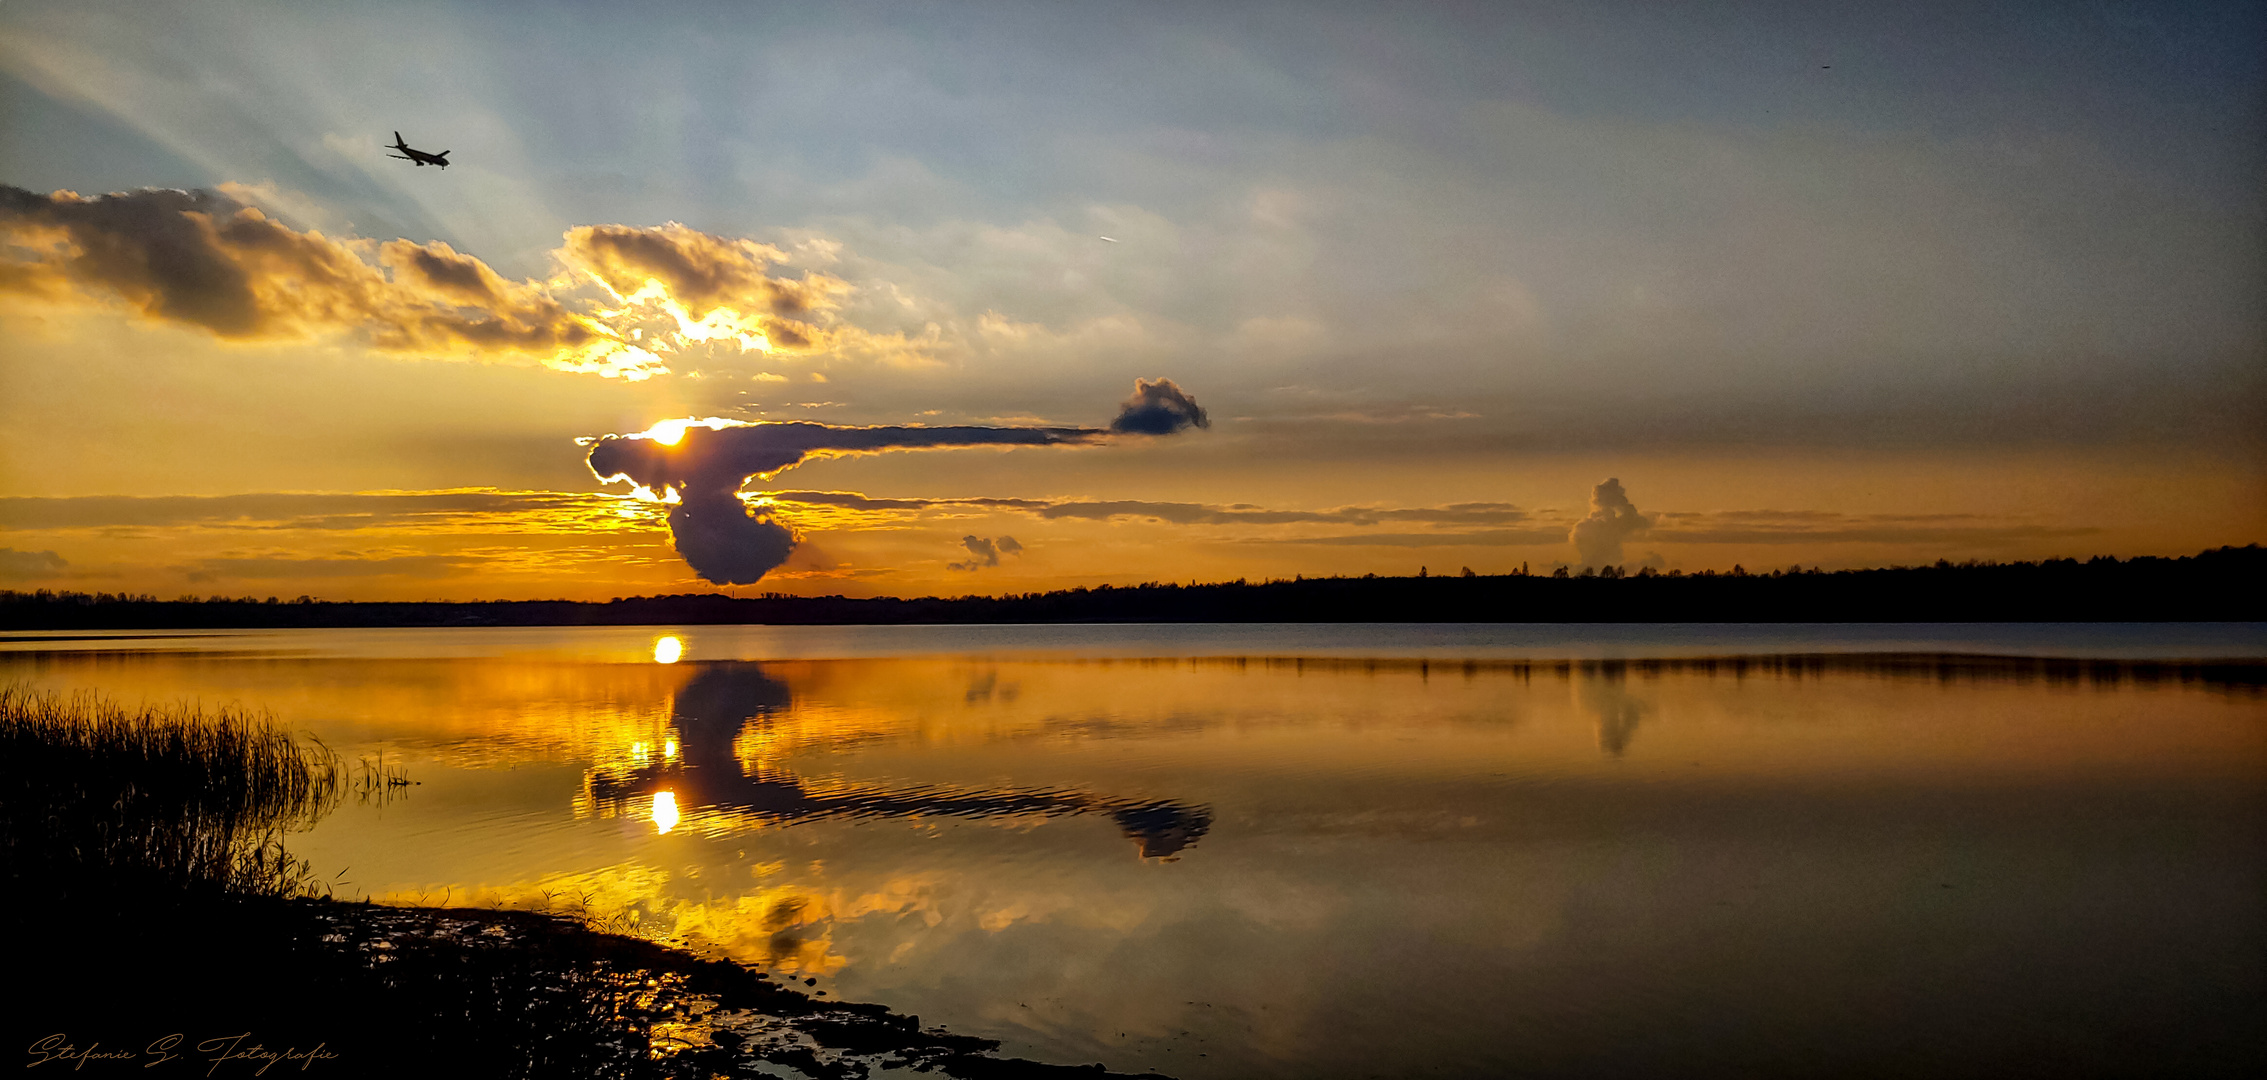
(665, 810)
(667, 650)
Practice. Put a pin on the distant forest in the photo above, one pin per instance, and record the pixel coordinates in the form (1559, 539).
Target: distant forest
(2223, 584)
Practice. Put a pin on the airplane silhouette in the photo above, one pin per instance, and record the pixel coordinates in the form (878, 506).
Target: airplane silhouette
(419, 156)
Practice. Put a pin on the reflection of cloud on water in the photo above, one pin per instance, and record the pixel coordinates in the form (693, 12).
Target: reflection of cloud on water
(1601, 690)
(727, 774)
(986, 687)
(787, 926)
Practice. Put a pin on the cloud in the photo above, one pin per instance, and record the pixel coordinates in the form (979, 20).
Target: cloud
(26, 565)
(205, 260)
(699, 466)
(1729, 528)
(1472, 538)
(422, 511)
(984, 552)
(1613, 519)
(1158, 408)
(275, 568)
(199, 259)
(702, 272)
(1176, 513)
(727, 543)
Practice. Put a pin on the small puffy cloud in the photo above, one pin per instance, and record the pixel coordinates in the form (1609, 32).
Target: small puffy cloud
(1158, 408)
(1613, 519)
(985, 552)
(28, 565)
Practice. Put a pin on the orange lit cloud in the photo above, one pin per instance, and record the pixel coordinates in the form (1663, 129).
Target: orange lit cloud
(624, 300)
(711, 287)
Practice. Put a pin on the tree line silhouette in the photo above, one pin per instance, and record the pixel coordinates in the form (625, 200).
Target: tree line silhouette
(2220, 584)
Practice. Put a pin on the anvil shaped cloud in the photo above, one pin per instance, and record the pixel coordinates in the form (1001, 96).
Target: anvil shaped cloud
(699, 466)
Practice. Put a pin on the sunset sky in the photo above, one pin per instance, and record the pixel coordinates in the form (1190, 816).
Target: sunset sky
(1829, 284)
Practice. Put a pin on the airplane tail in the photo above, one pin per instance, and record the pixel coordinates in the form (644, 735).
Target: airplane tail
(397, 138)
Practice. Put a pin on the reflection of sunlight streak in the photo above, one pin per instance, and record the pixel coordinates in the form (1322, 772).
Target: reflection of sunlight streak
(784, 925)
(667, 650)
(665, 810)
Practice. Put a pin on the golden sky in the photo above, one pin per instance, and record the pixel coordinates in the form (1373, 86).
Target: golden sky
(1849, 289)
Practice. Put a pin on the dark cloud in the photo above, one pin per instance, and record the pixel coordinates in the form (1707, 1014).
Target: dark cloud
(725, 542)
(201, 259)
(703, 272)
(717, 534)
(158, 250)
(25, 565)
(703, 468)
(440, 270)
(1612, 520)
(727, 456)
(985, 552)
(1158, 408)
(1174, 513)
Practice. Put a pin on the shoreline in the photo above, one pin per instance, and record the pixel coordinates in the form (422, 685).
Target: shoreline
(2221, 585)
(379, 990)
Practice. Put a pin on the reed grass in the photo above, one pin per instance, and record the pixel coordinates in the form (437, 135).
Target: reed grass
(96, 797)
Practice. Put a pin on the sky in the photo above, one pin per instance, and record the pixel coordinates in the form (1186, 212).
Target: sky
(1319, 288)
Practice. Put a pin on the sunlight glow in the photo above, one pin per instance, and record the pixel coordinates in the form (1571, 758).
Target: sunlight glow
(672, 432)
(666, 651)
(721, 323)
(665, 810)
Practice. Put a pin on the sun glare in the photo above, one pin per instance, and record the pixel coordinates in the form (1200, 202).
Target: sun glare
(665, 810)
(667, 650)
(672, 432)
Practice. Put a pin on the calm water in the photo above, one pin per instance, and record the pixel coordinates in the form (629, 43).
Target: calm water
(1223, 851)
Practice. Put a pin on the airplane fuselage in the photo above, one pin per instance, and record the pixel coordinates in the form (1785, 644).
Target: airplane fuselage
(418, 157)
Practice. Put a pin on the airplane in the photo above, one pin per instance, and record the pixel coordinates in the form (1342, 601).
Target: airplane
(419, 156)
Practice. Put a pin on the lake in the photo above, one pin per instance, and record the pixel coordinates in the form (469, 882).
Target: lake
(1342, 850)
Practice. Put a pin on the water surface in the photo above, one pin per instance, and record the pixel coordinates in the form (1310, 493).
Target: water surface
(1344, 850)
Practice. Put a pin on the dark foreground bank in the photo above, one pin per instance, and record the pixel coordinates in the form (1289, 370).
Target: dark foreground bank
(263, 986)
(2222, 585)
(155, 924)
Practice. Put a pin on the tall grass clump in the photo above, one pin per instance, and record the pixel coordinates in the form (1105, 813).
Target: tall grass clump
(101, 802)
